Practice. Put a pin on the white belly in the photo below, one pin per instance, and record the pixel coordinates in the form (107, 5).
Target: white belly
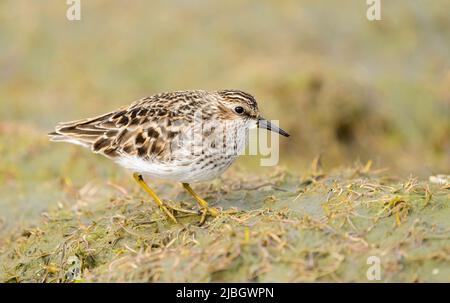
(196, 171)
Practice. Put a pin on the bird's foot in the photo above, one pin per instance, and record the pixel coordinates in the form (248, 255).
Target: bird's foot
(165, 209)
(213, 212)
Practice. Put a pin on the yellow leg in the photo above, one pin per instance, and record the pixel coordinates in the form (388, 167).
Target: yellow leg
(141, 182)
(203, 204)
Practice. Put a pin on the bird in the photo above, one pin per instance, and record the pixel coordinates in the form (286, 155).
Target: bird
(186, 136)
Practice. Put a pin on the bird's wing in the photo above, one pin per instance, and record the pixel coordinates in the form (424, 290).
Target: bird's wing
(140, 129)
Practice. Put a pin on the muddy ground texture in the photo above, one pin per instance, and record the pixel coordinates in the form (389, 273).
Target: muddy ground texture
(282, 228)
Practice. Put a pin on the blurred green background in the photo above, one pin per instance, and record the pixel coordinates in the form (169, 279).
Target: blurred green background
(343, 87)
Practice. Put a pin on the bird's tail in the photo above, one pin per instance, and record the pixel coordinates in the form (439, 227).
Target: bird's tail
(82, 132)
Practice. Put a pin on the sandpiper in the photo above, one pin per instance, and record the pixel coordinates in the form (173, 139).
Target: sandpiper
(183, 136)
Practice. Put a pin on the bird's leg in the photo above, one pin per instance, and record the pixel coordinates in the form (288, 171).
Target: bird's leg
(203, 204)
(141, 182)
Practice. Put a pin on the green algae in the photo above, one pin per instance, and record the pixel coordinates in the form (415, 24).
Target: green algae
(291, 230)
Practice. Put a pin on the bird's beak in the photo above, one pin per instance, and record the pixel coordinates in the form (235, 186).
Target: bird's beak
(263, 123)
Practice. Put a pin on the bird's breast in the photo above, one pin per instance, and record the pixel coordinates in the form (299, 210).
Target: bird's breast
(195, 155)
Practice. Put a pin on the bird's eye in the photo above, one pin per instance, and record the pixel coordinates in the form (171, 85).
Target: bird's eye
(239, 109)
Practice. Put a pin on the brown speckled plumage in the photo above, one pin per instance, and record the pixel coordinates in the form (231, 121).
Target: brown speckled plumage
(145, 127)
(184, 136)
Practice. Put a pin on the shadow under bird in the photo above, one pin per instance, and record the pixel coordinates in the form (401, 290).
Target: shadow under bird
(184, 136)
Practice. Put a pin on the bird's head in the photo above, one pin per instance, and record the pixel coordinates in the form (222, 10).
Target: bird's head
(238, 105)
